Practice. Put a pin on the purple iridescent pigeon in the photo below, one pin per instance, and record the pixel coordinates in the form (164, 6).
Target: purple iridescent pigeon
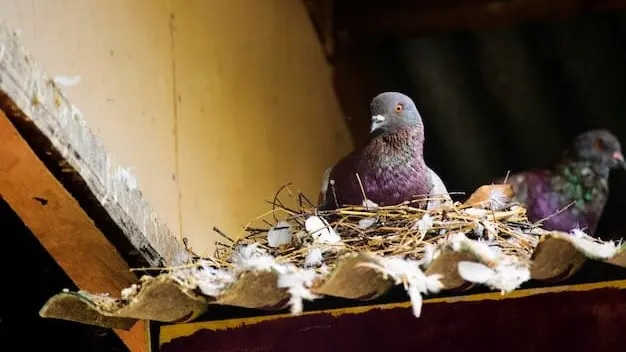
(390, 167)
(581, 178)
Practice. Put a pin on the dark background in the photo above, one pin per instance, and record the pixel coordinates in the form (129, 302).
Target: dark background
(498, 99)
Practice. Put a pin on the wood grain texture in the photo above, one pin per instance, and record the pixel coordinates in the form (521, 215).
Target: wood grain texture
(256, 111)
(121, 50)
(60, 224)
(33, 101)
(216, 102)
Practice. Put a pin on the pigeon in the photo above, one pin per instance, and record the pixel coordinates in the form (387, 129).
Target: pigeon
(572, 195)
(390, 168)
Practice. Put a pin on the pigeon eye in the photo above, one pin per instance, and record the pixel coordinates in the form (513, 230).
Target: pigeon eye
(599, 144)
(398, 108)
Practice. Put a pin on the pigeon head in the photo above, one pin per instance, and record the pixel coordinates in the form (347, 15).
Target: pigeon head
(600, 148)
(391, 110)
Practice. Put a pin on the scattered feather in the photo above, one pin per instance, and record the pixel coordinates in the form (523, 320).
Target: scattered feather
(314, 257)
(505, 277)
(66, 80)
(408, 273)
(279, 235)
(424, 225)
(129, 292)
(252, 257)
(212, 281)
(428, 256)
(459, 242)
(593, 248)
(321, 230)
(297, 282)
(366, 223)
(369, 205)
(498, 199)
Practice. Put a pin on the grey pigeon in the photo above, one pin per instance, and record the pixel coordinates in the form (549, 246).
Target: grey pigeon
(581, 178)
(390, 167)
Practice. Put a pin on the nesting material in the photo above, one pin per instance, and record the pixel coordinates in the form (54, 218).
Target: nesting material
(294, 253)
(303, 245)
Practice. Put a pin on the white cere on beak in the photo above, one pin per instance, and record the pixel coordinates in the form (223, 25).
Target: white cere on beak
(377, 120)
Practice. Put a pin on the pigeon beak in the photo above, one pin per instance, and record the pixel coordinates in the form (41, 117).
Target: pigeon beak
(377, 120)
(620, 159)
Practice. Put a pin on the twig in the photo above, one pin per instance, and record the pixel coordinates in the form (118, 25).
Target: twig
(537, 223)
(221, 233)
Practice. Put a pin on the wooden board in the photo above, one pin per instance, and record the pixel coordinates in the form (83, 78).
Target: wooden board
(58, 178)
(60, 224)
(58, 134)
(579, 317)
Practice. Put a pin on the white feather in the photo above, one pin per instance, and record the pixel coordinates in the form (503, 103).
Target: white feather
(424, 225)
(320, 231)
(497, 199)
(592, 247)
(66, 80)
(459, 242)
(505, 277)
(428, 256)
(408, 272)
(366, 223)
(475, 272)
(279, 235)
(370, 205)
(297, 282)
(314, 257)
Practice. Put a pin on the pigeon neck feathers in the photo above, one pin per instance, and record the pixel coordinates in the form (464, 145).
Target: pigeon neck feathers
(581, 181)
(401, 145)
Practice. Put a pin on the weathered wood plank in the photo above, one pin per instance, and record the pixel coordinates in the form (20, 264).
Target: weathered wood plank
(60, 224)
(593, 316)
(58, 134)
(84, 206)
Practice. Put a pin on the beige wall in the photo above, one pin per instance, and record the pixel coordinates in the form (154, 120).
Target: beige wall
(214, 103)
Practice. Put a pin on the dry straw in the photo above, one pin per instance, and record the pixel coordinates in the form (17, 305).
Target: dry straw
(289, 233)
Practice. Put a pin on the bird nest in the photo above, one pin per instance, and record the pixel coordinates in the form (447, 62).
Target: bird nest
(305, 237)
(303, 247)
(295, 253)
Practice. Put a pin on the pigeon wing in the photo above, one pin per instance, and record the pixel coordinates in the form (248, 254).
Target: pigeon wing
(323, 196)
(438, 189)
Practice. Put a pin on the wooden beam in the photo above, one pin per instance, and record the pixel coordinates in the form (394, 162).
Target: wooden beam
(419, 18)
(60, 224)
(67, 189)
(59, 136)
(452, 323)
